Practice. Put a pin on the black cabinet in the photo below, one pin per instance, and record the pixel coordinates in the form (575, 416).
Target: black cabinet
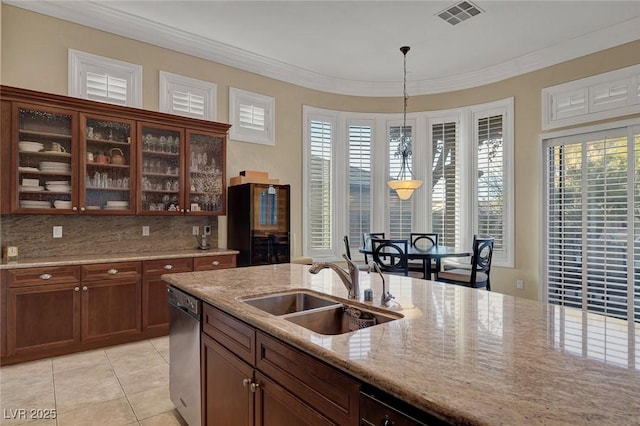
(258, 221)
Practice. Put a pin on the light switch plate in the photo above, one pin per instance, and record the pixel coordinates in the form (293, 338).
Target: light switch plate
(11, 253)
(57, 232)
(145, 231)
(195, 230)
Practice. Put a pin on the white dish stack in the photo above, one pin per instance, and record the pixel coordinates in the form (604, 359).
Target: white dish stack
(55, 167)
(61, 204)
(117, 205)
(58, 186)
(30, 204)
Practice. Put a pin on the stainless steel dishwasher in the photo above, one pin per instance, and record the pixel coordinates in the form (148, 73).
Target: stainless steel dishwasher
(184, 354)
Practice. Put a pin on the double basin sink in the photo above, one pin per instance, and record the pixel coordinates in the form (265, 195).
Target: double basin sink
(318, 313)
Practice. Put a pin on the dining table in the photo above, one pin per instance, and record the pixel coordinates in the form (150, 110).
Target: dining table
(435, 252)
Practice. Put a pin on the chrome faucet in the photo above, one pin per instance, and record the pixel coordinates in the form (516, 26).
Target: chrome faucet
(386, 296)
(350, 278)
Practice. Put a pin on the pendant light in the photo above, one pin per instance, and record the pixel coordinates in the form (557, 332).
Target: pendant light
(405, 183)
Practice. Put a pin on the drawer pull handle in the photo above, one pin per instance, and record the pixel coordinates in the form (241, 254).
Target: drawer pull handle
(76, 289)
(254, 386)
(85, 288)
(46, 276)
(215, 263)
(168, 267)
(246, 382)
(112, 271)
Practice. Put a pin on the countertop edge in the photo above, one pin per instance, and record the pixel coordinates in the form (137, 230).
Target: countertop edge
(107, 258)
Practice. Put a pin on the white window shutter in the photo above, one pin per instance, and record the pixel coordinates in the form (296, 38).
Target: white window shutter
(320, 166)
(187, 96)
(252, 117)
(445, 194)
(359, 182)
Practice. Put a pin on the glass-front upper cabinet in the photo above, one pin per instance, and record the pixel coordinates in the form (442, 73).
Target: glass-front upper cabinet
(205, 178)
(44, 177)
(107, 155)
(160, 170)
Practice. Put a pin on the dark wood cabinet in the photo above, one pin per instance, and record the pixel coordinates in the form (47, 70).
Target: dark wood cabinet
(258, 223)
(250, 378)
(155, 307)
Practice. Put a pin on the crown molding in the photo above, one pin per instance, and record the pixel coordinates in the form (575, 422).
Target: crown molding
(136, 28)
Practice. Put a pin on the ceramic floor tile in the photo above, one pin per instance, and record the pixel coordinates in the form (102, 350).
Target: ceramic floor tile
(18, 408)
(25, 382)
(151, 402)
(80, 360)
(164, 353)
(26, 370)
(170, 418)
(130, 364)
(116, 412)
(129, 349)
(160, 342)
(74, 391)
(144, 380)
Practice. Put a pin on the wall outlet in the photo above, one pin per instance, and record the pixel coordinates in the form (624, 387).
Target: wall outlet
(519, 284)
(195, 230)
(207, 230)
(145, 231)
(57, 232)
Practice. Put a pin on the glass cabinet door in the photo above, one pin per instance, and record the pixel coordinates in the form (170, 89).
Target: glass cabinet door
(107, 155)
(161, 182)
(46, 175)
(205, 177)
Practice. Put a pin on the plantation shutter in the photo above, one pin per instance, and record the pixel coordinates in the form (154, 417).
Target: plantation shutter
(445, 192)
(359, 208)
(320, 185)
(399, 210)
(490, 196)
(593, 208)
(106, 88)
(187, 102)
(252, 117)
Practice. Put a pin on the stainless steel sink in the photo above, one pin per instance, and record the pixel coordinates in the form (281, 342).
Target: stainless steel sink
(339, 319)
(286, 303)
(319, 314)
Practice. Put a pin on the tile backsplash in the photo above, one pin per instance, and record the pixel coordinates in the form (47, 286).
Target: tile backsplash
(33, 234)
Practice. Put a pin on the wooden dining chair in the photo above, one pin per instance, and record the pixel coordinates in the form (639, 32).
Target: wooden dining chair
(366, 241)
(347, 249)
(424, 241)
(390, 255)
(478, 275)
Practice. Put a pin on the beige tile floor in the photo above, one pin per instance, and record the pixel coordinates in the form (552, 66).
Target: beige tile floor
(120, 385)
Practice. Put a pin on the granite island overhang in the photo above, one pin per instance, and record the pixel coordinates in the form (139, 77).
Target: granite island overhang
(468, 356)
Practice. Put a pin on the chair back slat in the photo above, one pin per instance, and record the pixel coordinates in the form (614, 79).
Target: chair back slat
(390, 255)
(347, 249)
(482, 255)
(423, 241)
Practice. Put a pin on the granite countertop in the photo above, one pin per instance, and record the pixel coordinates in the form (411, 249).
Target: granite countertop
(37, 262)
(469, 356)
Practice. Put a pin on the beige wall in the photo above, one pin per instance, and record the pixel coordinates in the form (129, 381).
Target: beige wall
(34, 56)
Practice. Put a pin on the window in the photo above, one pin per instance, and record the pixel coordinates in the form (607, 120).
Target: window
(187, 96)
(592, 221)
(319, 183)
(349, 157)
(359, 175)
(446, 215)
(607, 95)
(252, 117)
(104, 79)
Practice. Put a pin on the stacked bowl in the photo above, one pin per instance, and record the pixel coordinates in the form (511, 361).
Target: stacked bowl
(117, 205)
(29, 204)
(55, 167)
(28, 146)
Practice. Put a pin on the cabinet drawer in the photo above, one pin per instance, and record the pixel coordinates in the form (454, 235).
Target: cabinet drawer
(324, 388)
(214, 262)
(39, 276)
(166, 266)
(109, 271)
(232, 333)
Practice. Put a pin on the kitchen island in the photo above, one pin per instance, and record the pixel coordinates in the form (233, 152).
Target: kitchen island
(467, 356)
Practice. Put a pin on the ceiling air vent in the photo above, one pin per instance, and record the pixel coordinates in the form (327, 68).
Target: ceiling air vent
(459, 12)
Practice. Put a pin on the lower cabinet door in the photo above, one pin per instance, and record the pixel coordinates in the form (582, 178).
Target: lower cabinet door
(42, 317)
(111, 308)
(228, 399)
(155, 304)
(276, 407)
